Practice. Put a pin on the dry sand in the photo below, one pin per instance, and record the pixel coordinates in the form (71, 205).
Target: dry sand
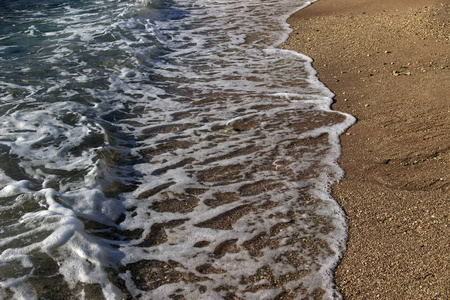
(388, 62)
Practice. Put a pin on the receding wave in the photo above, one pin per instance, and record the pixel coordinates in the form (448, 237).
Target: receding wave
(164, 149)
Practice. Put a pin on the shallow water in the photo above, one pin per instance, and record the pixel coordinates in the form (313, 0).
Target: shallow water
(164, 149)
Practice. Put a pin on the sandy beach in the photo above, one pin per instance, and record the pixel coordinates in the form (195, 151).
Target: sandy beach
(388, 63)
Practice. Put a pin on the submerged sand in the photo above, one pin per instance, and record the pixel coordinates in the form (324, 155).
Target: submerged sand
(388, 63)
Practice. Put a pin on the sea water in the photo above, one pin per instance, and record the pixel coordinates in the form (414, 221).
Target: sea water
(164, 150)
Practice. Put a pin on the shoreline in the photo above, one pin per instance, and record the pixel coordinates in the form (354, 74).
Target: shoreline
(387, 63)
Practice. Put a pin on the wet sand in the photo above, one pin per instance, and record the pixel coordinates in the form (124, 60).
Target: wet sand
(388, 63)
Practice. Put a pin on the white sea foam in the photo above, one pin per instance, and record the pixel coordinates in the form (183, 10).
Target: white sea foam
(127, 105)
